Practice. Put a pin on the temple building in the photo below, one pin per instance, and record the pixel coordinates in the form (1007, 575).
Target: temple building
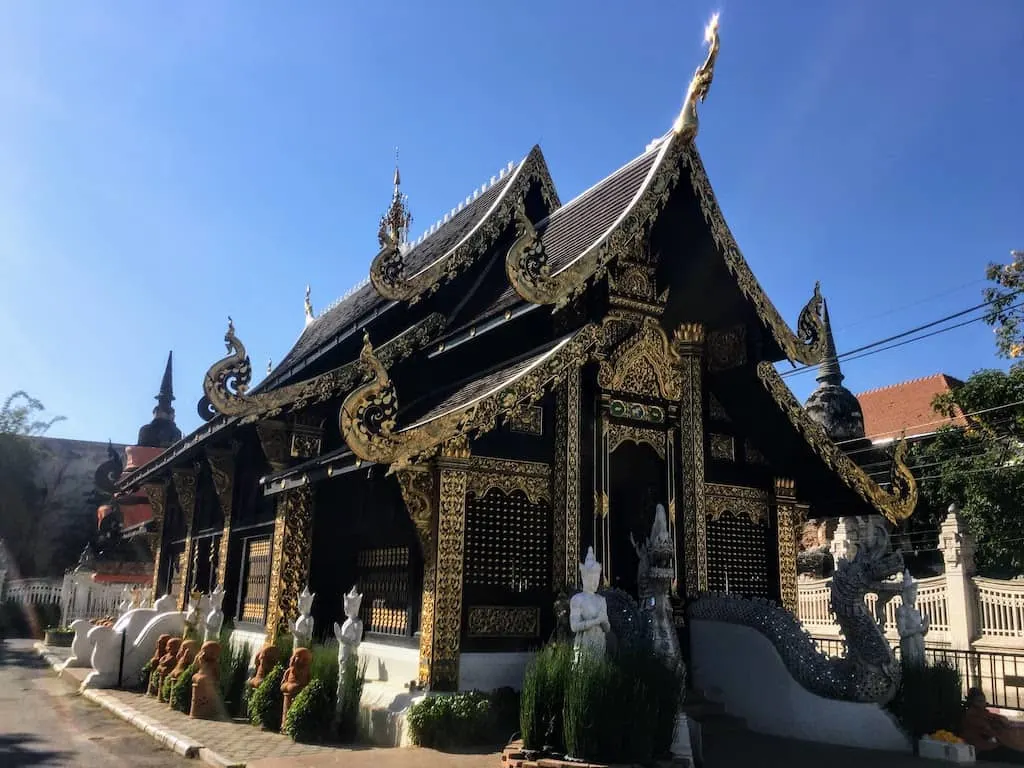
(527, 378)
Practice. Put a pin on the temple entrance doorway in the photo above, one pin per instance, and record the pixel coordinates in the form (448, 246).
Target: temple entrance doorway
(636, 486)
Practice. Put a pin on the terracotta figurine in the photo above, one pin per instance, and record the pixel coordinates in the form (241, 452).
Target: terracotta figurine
(295, 679)
(154, 663)
(266, 660)
(167, 662)
(186, 655)
(206, 702)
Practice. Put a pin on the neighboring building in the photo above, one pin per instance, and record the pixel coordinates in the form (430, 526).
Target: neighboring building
(541, 376)
(65, 475)
(891, 411)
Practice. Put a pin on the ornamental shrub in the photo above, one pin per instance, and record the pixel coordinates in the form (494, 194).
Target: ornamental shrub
(165, 688)
(267, 702)
(930, 698)
(311, 714)
(234, 671)
(543, 698)
(325, 665)
(181, 691)
(353, 676)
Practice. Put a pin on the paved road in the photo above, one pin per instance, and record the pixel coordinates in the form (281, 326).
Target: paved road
(44, 724)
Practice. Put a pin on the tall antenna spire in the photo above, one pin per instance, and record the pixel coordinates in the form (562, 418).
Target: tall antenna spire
(828, 370)
(394, 225)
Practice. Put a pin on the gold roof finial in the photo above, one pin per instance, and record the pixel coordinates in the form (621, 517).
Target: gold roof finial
(309, 307)
(701, 82)
(394, 225)
(270, 365)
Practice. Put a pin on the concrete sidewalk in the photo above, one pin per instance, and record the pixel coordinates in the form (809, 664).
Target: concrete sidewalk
(238, 744)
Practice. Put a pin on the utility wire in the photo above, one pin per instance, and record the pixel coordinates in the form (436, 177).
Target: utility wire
(904, 334)
(926, 424)
(917, 303)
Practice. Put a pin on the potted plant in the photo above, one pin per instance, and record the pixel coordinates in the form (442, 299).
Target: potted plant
(58, 637)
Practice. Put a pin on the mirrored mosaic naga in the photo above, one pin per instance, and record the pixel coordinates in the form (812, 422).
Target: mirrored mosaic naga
(869, 672)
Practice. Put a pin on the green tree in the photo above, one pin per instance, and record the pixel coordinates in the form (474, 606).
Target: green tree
(20, 497)
(980, 467)
(1006, 310)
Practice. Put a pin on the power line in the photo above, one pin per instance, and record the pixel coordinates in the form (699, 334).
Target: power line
(904, 334)
(917, 303)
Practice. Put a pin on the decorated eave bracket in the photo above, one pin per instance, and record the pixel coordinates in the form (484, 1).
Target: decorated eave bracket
(368, 415)
(527, 264)
(226, 384)
(389, 273)
(897, 505)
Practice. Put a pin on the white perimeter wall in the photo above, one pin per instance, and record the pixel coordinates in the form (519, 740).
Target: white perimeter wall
(739, 667)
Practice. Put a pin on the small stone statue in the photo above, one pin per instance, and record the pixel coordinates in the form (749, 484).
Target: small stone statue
(167, 662)
(154, 664)
(349, 634)
(165, 604)
(125, 604)
(186, 655)
(206, 702)
(588, 611)
(912, 626)
(266, 660)
(302, 627)
(215, 618)
(192, 616)
(295, 679)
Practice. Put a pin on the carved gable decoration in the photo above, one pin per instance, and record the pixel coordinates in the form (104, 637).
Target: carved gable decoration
(644, 364)
(727, 348)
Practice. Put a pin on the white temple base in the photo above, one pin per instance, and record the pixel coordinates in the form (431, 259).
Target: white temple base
(740, 668)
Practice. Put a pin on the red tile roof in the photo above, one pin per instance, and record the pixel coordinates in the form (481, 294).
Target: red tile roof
(888, 411)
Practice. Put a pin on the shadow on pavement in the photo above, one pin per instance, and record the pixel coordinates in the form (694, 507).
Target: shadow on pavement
(20, 657)
(13, 753)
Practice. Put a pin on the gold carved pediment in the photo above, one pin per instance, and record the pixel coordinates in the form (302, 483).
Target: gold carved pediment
(643, 364)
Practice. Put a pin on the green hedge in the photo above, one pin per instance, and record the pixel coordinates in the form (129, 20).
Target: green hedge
(181, 691)
(469, 719)
(267, 702)
(234, 671)
(353, 676)
(311, 713)
(930, 699)
(577, 708)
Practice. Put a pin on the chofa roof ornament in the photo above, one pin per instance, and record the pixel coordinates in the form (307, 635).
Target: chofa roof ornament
(687, 121)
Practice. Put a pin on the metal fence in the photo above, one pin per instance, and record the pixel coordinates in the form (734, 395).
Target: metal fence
(999, 675)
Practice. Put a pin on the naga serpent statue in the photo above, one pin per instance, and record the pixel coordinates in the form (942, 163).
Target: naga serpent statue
(654, 585)
(869, 672)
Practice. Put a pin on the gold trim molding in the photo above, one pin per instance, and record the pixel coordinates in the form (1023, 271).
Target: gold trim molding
(787, 525)
(737, 500)
(388, 270)
(419, 493)
(617, 434)
(156, 493)
(222, 471)
(184, 481)
(368, 414)
(289, 558)
(503, 621)
(226, 384)
(451, 528)
(897, 506)
(645, 364)
(532, 479)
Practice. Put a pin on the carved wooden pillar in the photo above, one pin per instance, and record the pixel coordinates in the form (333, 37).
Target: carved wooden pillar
(293, 521)
(566, 508)
(419, 490)
(786, 515)
(185, 487)
(222, 470)
(451, 528)
(157, 494)
(688, 344)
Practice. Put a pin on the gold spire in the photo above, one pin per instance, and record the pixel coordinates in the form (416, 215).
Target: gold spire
(309, 307)
(270, 365)
(701, 82)
(394, 225)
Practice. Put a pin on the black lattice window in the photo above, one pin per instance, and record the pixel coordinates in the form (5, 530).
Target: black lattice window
(384, 584)
(738, 556)
(508, 542)
(255, 580)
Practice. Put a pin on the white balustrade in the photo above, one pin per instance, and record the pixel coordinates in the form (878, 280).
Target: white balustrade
(1000, 608)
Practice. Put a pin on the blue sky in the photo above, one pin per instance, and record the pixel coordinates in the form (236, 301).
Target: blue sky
(165, 165)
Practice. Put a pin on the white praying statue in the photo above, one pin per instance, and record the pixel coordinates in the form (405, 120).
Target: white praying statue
(910, 624)
(588, 611)
(349, 634)
(302, 627)
(215, 618)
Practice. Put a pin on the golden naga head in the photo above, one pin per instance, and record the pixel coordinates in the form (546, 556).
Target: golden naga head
(687, 121)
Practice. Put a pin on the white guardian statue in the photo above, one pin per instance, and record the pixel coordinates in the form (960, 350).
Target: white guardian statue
(588, 611)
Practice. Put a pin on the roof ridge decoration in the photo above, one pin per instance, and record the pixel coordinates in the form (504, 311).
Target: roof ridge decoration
(388, 273)
(310, 317)
(228, 379)
(530, 274)
(897, 505)
(368, 416)
(917, 380)
(217, 384)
